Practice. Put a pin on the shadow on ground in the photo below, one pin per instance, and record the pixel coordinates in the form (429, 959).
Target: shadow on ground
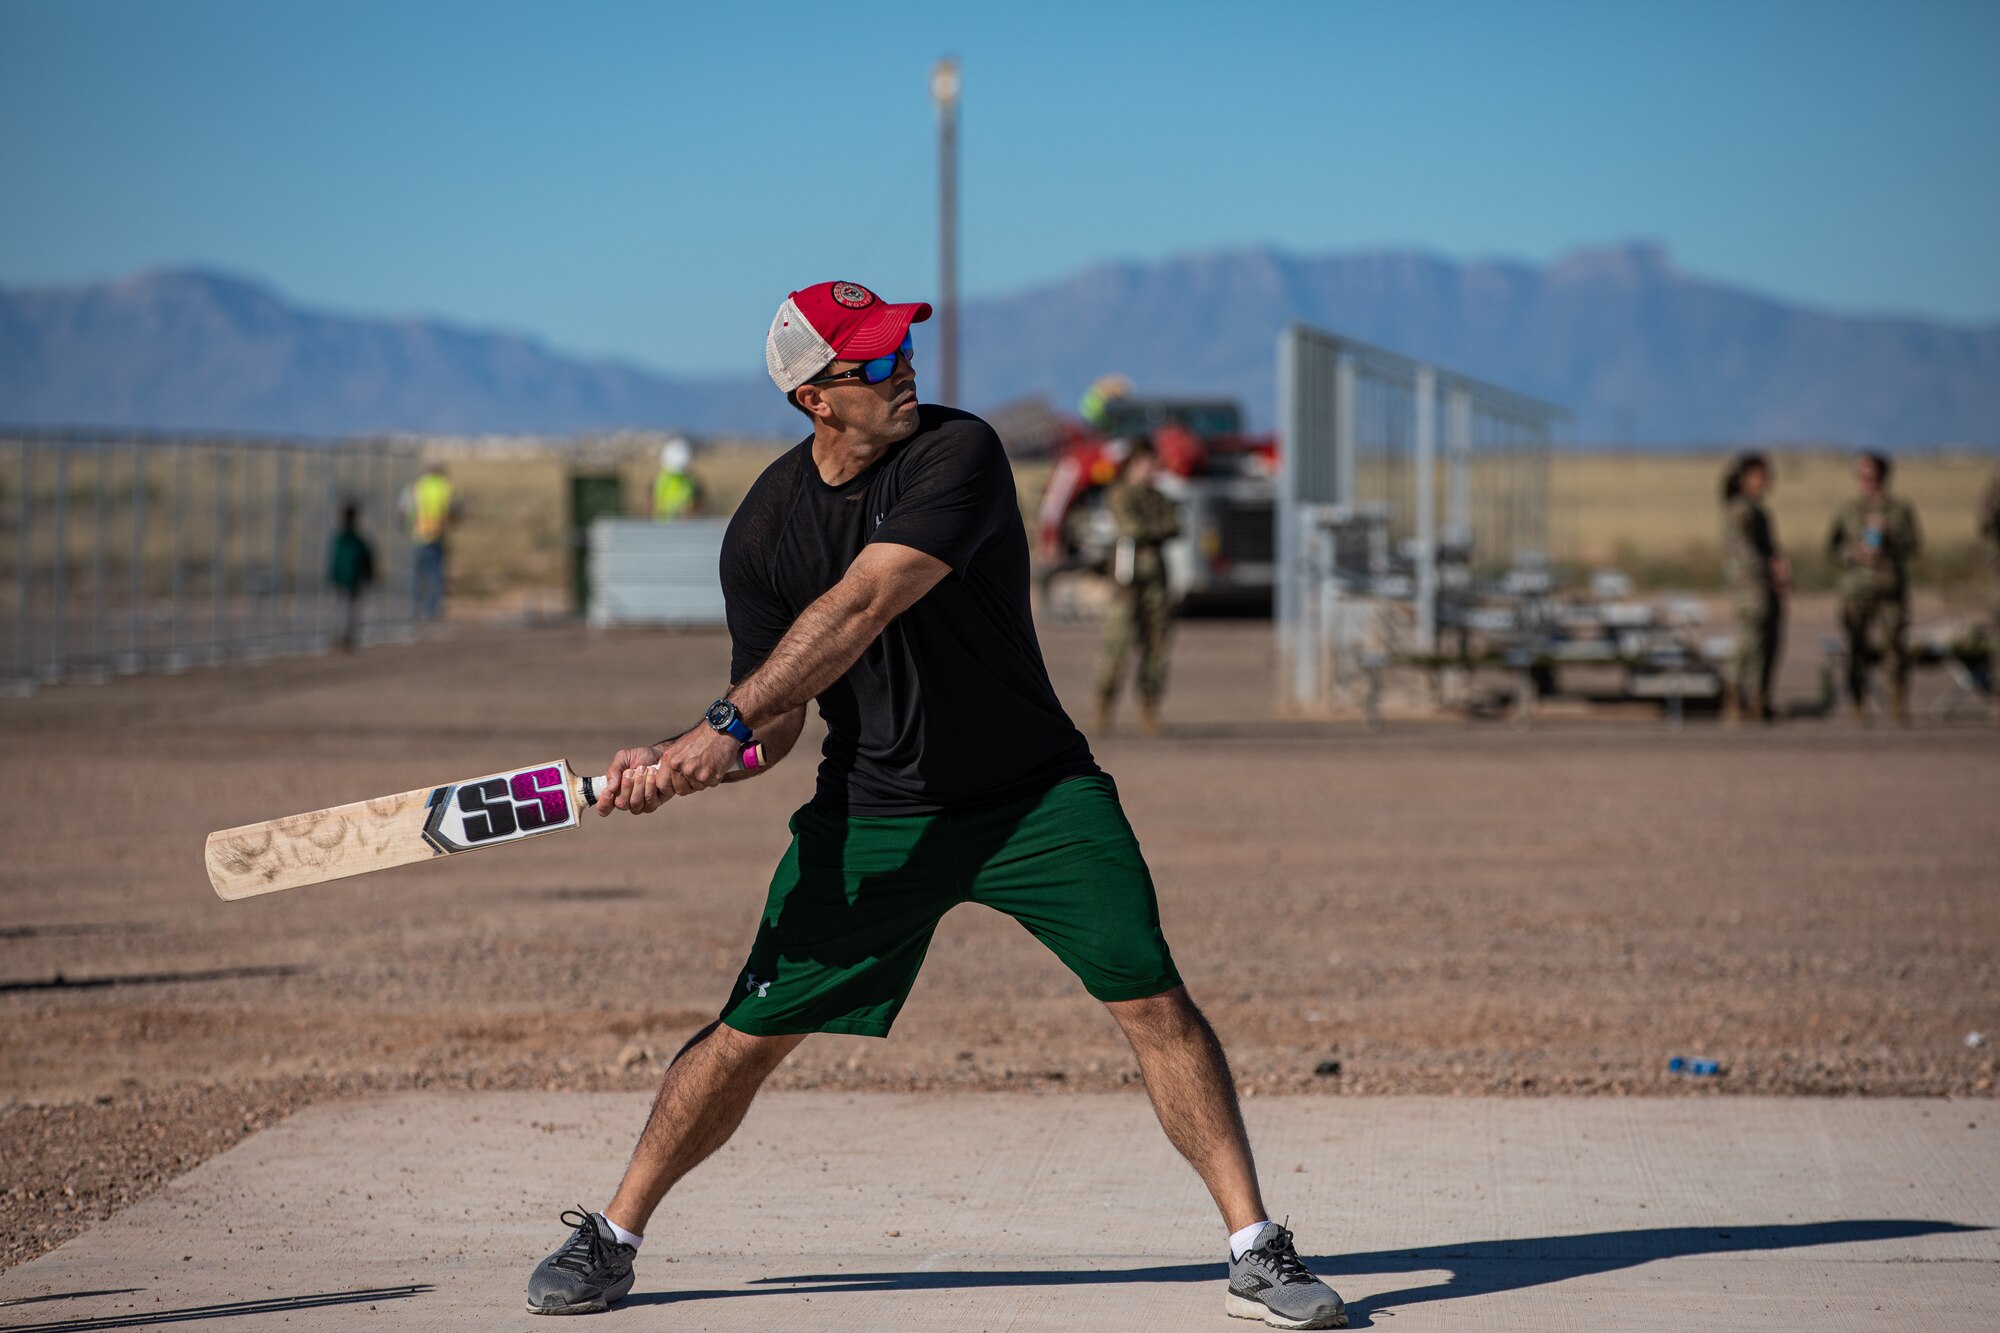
(66, 1296)
(1477, 1268)
(193, 1313)
(61, 982)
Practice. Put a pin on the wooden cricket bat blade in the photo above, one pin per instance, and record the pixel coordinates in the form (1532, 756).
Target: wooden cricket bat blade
(412, 826)
(409, 827)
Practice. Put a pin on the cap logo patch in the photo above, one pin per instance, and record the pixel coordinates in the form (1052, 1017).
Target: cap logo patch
(853, 295)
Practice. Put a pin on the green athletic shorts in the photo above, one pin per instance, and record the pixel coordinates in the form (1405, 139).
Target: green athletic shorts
(854, 903)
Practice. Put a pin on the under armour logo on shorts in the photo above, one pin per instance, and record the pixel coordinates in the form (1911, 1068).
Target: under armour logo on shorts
(750, 983)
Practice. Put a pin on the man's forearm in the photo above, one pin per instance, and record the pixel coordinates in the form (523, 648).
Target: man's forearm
(826, 639)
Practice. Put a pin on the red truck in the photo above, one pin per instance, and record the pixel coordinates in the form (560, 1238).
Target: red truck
(1223, 480)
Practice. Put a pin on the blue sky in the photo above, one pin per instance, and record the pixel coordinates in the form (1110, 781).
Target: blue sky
(647, 180)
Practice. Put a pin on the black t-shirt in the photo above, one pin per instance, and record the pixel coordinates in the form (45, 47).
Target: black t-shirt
(951, 706)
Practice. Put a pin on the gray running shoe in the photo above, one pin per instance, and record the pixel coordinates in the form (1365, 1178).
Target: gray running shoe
(590, 1270)
(1271, 1283)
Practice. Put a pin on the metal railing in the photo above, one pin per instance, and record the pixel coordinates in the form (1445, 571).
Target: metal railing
(123, 554)
(1396, 479)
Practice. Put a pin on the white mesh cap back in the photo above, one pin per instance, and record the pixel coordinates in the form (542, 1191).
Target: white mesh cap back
(793, 350)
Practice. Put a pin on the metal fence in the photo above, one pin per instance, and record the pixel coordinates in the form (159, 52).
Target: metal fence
(1399, 482)
(130, 554)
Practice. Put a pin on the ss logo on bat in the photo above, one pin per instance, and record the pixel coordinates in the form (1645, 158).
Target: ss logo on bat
(495, 809)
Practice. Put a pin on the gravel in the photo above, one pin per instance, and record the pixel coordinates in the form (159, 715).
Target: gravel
(1457, 909)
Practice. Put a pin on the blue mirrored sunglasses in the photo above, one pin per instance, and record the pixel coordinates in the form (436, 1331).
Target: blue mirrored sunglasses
(872, 372)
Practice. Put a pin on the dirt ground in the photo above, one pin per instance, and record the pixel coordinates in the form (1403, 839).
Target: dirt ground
(1446, 907)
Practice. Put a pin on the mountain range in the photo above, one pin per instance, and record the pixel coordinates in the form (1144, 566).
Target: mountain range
(1637, 350)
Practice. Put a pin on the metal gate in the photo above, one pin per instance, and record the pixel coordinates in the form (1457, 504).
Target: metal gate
(1399, 482)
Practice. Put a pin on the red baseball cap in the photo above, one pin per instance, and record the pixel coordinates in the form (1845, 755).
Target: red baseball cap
(833, 321)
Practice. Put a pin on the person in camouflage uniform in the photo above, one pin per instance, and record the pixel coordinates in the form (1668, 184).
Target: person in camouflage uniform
(1873, 541)
(1989, 532)
(1759, 578)
(1140, 609)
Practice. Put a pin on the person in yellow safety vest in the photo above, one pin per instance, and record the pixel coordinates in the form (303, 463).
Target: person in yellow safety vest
(676, 494)
(1099, 396)
(431, 507)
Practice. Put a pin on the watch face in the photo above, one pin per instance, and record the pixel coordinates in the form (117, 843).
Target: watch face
(721, 714)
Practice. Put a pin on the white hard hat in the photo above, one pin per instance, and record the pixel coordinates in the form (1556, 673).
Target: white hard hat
(676, 454)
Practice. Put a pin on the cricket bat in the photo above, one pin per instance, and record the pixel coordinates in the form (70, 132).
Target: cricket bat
(413, 826)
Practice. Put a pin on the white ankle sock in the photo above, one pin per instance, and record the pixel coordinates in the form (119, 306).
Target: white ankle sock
(625, 1237)
(1239, 1241)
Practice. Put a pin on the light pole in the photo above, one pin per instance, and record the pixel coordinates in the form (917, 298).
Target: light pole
(944, 91)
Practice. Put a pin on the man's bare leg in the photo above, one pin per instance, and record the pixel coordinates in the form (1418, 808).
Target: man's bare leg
(1187, 1076)
(703, 1098)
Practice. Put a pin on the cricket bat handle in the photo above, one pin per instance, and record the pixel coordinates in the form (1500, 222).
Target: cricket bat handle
(750, 757)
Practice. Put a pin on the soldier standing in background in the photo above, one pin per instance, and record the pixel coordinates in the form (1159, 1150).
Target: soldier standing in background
(1989, 532)
(1873, 541)
(676, 494)
(1140, 610)
(1759, 578)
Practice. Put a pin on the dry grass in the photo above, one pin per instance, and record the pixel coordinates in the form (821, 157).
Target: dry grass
(1656, 517)
(515, 537)
(513, 543)
(255, 515)
(1659, 518)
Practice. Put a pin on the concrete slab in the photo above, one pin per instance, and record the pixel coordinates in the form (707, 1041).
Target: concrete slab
(1030, 1212)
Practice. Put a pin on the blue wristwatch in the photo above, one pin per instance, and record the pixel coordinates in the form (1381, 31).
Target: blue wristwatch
(723, 717)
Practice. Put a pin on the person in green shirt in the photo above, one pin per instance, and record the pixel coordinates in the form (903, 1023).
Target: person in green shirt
(350, 568)
(1141, 608)
(1872, 543)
